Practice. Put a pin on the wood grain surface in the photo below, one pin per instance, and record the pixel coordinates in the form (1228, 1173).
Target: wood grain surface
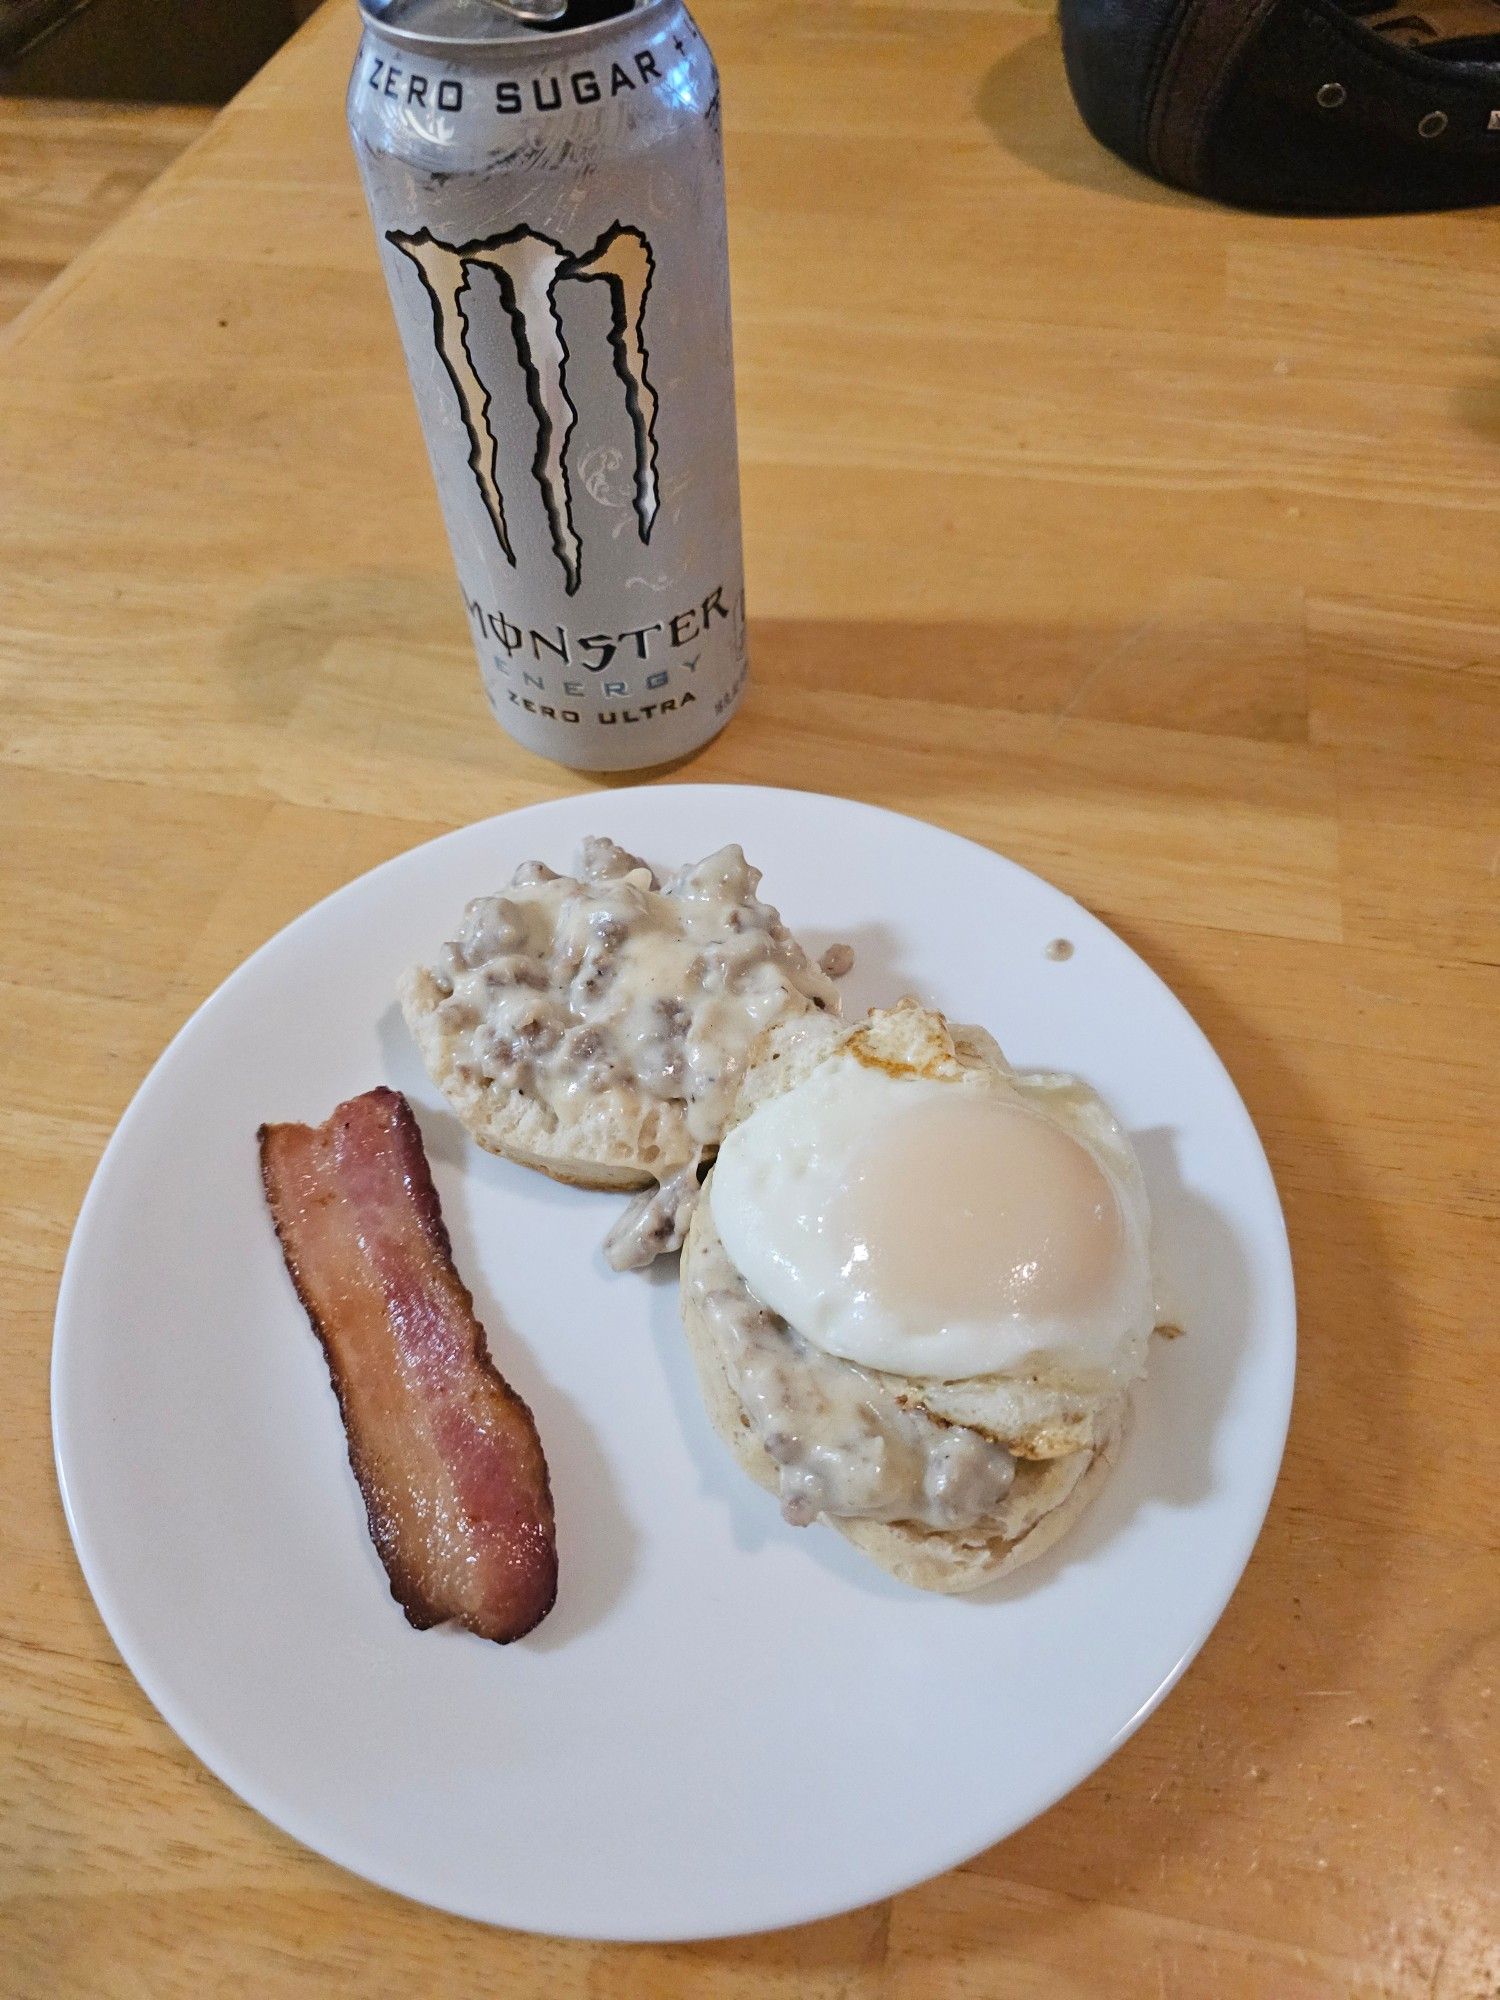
(1151, 544)
(67, 170)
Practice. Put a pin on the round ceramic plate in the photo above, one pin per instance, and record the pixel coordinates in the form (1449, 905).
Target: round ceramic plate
(726, 1724)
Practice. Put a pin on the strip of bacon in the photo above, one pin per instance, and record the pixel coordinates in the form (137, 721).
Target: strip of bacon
(445, 1452)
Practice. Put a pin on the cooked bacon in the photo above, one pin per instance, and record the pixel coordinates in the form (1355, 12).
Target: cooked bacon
(445, 1452)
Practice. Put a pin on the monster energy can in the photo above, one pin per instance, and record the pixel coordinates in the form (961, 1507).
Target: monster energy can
(547, 184)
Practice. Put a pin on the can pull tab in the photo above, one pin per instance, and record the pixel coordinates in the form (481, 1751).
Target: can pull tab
(536, 12)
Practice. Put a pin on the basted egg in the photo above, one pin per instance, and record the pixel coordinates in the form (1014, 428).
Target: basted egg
(942, 1227)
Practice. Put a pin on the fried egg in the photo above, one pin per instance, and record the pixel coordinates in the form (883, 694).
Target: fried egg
(944, 1227)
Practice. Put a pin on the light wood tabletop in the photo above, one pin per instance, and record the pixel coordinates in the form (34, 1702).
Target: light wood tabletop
(1151, 544)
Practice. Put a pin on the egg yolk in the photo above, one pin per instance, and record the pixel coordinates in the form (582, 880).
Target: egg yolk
(981, 1209)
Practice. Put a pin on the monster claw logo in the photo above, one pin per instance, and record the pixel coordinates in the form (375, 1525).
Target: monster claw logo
(622, 259)
(528, 268)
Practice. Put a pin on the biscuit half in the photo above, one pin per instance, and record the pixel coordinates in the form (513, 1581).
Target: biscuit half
(1065, 1434)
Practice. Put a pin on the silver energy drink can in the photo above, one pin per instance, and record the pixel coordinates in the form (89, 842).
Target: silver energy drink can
(547, 186)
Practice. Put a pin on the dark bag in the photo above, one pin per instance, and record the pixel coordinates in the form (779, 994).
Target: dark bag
(1292, 104)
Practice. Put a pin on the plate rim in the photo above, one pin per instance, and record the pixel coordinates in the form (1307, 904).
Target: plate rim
(226, 1767)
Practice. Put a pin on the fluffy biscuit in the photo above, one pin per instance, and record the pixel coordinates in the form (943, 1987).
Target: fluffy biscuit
(555, 957)
(623, 1144)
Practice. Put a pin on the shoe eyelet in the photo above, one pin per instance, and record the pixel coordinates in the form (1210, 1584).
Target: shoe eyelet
(1331, 96)
(1434, 123)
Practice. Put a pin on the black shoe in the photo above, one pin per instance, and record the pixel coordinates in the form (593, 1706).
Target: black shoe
(1333, 106)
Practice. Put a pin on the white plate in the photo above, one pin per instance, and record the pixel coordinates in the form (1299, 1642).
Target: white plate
(726, 1724)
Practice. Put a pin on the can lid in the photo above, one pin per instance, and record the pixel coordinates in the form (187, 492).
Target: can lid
(471, 21)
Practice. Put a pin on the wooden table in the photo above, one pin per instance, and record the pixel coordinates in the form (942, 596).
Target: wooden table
(1151, 544)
